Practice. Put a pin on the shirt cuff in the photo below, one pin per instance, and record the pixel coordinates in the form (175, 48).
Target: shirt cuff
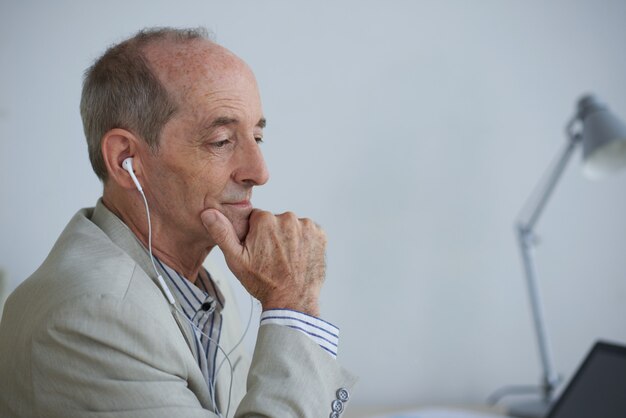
(323, 333)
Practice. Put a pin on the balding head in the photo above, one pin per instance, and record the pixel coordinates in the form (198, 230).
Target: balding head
(181, 68)
(125, 87)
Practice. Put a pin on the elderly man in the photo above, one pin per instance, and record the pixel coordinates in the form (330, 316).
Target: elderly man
(122, 319)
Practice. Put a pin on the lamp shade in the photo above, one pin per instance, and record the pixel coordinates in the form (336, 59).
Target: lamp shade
(603, 138)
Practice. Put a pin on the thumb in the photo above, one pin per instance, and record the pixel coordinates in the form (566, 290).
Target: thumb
(222, 232)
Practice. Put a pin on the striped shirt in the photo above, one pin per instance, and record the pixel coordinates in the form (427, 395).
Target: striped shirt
(203, 303)
(325, 334)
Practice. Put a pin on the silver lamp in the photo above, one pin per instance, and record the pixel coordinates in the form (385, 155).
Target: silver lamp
(603, 140)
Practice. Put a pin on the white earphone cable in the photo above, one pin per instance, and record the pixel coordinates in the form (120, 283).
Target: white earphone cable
(213, 382)
(238, 343)
(145, 201)
(173, 303)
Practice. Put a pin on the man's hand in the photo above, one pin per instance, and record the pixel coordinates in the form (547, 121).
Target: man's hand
(280, 262)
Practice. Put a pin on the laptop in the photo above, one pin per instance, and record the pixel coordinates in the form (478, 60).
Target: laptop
(598, 389)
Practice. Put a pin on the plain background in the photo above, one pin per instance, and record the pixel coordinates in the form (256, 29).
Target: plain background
(412, 131)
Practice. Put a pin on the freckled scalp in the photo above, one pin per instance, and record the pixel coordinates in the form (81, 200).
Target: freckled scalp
(180, 67)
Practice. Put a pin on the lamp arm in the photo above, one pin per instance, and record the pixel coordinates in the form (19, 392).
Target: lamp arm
(552, 178)
(526, 241)
(550, 376)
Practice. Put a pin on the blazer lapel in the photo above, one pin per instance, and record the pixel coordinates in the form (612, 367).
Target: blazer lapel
(123, 237)
(187, 332)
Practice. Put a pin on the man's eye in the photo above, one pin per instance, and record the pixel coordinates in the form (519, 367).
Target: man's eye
(259, 140)
(220, 144)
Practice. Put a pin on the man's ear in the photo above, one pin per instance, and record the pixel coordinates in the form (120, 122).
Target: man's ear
(117, 145)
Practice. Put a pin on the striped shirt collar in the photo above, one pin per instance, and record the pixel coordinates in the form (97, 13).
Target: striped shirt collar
(193, 297)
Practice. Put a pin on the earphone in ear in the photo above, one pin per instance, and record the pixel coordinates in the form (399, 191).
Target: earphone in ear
(127, 165)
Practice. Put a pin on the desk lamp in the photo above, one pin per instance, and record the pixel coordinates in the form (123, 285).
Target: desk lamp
(603, 139)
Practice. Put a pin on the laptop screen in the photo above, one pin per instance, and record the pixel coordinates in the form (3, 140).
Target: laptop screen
(598, 389)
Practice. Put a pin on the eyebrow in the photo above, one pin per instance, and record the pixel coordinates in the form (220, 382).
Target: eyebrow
(224, 120)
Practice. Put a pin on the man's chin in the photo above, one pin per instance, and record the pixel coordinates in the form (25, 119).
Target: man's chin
(241, 228)
(239, 218)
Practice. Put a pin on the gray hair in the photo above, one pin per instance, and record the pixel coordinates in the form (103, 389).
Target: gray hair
(120, 90)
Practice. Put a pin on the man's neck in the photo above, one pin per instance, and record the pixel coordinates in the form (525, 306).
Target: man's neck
(169, 246)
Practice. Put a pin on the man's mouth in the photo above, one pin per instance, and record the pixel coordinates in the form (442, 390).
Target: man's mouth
(243, 204)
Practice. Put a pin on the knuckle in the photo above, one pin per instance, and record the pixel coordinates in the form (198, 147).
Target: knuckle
(287, 219)
(290, 216)
(261, 216)
(321, 234)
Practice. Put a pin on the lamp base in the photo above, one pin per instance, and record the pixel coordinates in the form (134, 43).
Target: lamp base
(530, 409)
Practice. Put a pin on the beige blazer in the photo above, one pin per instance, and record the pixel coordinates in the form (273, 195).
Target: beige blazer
(90, 334)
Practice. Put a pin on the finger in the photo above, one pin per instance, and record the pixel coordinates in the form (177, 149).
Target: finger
(222, 232)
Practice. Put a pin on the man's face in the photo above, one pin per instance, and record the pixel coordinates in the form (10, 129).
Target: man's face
(209, 154)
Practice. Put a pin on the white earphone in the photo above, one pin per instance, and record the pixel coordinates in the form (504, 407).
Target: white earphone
(127, 165)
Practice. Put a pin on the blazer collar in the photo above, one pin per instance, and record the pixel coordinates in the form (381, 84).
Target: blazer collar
(122, 236)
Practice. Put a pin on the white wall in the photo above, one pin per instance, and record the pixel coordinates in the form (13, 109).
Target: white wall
(413, 131)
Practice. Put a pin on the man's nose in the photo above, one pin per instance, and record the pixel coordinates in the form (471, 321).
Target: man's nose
(251, 168)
